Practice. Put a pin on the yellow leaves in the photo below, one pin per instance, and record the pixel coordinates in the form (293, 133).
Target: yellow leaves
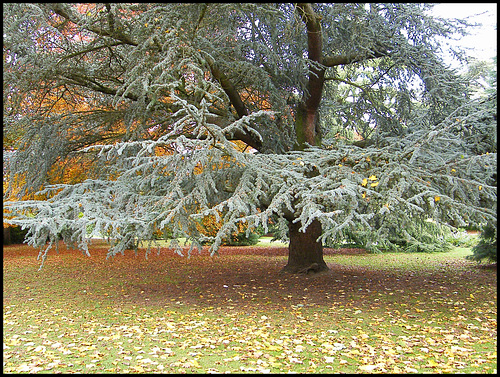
(12, 342)
(25, 368)
(273, 348)
(194, 363)
(370, 368)
(372, 178)
(213, 337)
(437, 198)
(327, 346)
(480, 187)
(431, 363)
(138, 369)
(301, 163)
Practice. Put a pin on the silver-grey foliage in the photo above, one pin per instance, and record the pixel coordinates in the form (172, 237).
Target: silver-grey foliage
(121, 82)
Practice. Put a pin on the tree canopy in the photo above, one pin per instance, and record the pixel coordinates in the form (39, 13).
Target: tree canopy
(322, 118)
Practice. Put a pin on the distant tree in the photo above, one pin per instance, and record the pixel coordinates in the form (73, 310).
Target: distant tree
(210, 225)
(153, 97)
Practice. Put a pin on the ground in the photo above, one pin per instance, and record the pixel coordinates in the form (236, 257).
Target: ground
(235, 312)
(239, 275)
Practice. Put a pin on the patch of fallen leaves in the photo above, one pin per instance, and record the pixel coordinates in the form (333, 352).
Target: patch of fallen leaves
(236, 341)
(236, 314)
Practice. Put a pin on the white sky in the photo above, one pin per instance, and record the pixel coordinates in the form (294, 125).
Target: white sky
(482, 40)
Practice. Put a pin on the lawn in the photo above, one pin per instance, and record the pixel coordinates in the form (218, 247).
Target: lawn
(391, 313)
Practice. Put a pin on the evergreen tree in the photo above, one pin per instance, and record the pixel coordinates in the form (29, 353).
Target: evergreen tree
(154, 100)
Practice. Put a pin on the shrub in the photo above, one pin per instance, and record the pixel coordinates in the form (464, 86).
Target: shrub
(486, 248)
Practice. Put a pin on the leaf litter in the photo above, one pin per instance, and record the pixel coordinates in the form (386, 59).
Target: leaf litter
(237, 314)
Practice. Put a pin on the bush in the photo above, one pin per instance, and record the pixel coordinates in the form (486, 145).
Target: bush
(241, 239)
(461, 238)
(486, 248)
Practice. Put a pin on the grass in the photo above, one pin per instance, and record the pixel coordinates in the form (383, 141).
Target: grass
(267, 242)
(371, 313)
(405, 262)
(263, 242)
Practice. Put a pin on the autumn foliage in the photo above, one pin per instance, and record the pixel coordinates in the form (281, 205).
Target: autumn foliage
(209, 226)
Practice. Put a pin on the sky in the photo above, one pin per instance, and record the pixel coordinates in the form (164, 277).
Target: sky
(482, 41)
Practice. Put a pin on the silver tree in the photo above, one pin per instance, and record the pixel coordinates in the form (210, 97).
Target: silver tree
(240, 111)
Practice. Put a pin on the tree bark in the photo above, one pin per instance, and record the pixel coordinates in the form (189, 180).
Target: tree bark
(306, 127)
(6, 235)
(305, 253)
(306, 117)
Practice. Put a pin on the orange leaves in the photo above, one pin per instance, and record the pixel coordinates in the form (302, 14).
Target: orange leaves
(209, 226)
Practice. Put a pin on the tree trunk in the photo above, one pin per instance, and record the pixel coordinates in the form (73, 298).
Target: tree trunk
(305, 253)
(6, 235)
(306, 127)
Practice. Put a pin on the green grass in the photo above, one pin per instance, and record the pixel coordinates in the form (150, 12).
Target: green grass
(263, 242)
(392, 313)
(267, 242)
(402, 261)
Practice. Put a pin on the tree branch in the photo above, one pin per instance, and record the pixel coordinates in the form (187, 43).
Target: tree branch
(333, 61)
(345, 82)
(314, 51)
(63, 11)
(235, 100)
